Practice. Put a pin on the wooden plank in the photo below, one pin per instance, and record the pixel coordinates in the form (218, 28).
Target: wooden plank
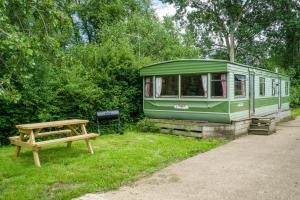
(191, 127)
(67, 139)
(51, 124)
(44, 134)
(21, 144)
(24, 131)
(182, 133)
(73, 130)
(87, 141)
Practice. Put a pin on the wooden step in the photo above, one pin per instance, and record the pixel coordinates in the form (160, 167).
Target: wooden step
(261, 120)
(259, 127)
(67, 139)
(259, 131)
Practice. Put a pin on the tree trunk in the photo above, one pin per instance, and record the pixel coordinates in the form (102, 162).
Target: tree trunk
(231, 47)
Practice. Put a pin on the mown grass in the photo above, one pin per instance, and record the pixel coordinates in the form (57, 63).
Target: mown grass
(71, 172)
(295, 112)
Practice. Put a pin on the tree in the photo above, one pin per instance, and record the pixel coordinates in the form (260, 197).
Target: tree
(218, 24)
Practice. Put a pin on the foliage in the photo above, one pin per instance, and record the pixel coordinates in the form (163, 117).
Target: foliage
(145, 125)
(65, 59)
(295, 112)
(261, 33)
(118, 159)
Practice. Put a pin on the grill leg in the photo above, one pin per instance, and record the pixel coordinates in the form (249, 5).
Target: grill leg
(98, 126)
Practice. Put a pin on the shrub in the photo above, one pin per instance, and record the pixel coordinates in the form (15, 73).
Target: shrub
(145, 125)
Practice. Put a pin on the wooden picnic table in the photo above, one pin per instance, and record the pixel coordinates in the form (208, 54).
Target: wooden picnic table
(29, 133)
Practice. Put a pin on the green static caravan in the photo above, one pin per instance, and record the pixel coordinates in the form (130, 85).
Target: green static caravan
(212, 91)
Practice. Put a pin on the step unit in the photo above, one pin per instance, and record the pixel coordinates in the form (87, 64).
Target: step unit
(262, 126)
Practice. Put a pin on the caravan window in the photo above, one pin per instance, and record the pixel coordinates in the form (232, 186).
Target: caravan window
(239, 85)
(148, 90)
(218, 85)
(262, 86)
(166, 86)
(194, 85)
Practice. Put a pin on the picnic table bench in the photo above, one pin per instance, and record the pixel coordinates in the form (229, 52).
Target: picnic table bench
(29, 133)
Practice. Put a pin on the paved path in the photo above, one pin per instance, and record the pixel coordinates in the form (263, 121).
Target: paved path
(252, 167)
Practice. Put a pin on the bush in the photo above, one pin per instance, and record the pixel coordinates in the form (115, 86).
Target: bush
(76, 87)
(145, 125)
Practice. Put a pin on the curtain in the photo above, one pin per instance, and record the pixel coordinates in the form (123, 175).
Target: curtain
(204, 84)
(243, 88)
(223, 82)
(148, 87)
(158, 86)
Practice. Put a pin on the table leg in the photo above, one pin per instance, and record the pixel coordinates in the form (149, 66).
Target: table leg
(87, 141)
(89, 146)
(35, 150)
(69, 144)
(18, 150)
(36, 157)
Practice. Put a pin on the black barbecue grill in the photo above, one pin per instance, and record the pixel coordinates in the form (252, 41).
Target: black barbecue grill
(103, 117)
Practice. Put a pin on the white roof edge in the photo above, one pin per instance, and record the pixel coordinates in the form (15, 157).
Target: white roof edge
(213, 60)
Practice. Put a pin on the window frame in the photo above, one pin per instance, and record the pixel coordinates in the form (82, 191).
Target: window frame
(245, 86)
(168, 96)
(264, 83)
(186, 96)
(210, 87)
(286, 92)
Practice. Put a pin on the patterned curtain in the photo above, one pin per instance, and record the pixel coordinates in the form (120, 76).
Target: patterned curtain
(148, 87)
(204, 84)
(158, 86)
(223, 82)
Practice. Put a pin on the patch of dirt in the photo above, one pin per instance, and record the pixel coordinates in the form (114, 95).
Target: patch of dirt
(162, 179)
(60, 186)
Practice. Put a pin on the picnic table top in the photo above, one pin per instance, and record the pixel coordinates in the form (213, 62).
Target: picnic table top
(52, 124)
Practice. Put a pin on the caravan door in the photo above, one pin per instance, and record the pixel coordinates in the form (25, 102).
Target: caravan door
(251, 94)
(279, 93)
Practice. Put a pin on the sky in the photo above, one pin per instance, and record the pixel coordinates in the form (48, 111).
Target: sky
(163, 9)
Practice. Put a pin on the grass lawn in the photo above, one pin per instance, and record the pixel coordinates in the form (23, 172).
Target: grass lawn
(68, 173)
(295, 112)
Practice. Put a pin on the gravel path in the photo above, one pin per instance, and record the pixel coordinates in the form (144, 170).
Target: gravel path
(252, 167)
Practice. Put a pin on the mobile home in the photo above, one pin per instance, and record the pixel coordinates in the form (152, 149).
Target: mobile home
(212, 90)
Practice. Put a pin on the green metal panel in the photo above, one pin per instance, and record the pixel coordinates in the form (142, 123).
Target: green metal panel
(189, 106)
(183, 67)
(285, 99)
(265, 102)
(237, 106)
(172, 114)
